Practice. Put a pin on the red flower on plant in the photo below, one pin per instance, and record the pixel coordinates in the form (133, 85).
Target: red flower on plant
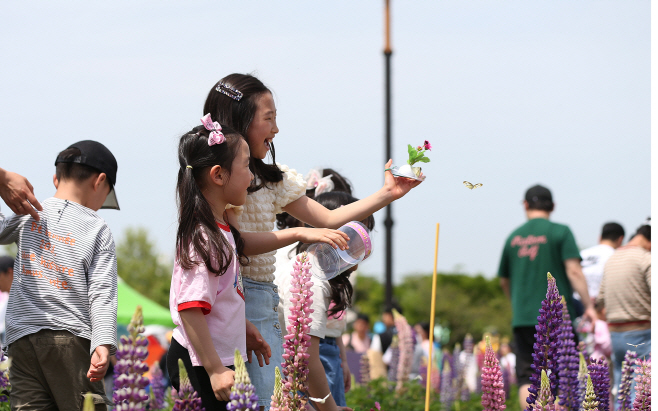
(427, 145)
(419, 148)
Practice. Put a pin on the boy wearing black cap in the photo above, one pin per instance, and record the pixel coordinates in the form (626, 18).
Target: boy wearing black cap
(537, 247)
(61, 316)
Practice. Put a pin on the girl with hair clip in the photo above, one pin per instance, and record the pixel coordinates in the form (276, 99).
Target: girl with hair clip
(206, 299)
(244, 103)
(328, 370)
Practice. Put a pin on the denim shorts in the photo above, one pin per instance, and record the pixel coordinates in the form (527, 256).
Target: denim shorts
(627, 341)
(261, 308)
(330, 357)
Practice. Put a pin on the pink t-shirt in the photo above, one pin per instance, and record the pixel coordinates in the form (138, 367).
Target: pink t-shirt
(221, 299)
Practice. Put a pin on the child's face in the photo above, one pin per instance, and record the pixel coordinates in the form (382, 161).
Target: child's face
(241, 176)
(263, 127)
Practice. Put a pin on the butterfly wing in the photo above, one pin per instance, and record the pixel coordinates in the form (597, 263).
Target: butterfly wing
(468, 185)
(477, 185)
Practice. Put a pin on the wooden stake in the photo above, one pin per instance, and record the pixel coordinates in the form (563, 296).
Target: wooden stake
(433, 307)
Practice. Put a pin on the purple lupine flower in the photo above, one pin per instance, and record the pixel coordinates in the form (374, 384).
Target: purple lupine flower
(406, 346)
(568, 363)
(298, 341)
(493, 395)
(277, 396)
(546, 342)
(447, 395)
(545, 400)
(395, 359)
(599, 372)
(590, 403)
(624, 393)
(642, 386)
(364, 369)
(465, 365)
(185, 399)
(582, 380)
(158, 389)
(129, 384)
(243, 394)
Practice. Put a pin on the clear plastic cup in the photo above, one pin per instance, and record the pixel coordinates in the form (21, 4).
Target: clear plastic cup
(327, 262)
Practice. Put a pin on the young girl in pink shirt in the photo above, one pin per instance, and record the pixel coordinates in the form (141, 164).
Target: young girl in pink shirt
(207, 296)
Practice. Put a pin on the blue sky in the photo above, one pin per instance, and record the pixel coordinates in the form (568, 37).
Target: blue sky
(510, 93)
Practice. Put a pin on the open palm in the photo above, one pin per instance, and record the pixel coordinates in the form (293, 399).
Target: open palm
(398, 186)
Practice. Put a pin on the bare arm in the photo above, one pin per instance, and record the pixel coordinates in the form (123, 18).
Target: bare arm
(504, 284)
(197, 331)
(318, 387)
(259, 243)
(312, 213)
(578, 283)
(18, 194)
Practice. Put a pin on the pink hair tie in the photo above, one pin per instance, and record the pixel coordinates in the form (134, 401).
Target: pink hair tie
(216, 136)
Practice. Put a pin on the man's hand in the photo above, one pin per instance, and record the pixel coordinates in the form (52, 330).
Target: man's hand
(18, 194)
(99, 363)
(258, 345)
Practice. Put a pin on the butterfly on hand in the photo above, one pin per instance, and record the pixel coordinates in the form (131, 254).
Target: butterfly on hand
(472, 186)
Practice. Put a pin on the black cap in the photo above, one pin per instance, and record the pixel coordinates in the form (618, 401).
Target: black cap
(538, 193)
(95, 155)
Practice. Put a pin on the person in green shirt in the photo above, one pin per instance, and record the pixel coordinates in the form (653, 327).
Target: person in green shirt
(537, 247)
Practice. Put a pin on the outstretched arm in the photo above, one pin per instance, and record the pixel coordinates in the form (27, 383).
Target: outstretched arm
(312, 213)
(18, 194)
(259, 243)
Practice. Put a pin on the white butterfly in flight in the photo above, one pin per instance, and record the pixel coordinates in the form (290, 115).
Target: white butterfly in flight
(472, 186)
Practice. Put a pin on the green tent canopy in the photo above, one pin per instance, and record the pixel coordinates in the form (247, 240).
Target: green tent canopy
(129, 299)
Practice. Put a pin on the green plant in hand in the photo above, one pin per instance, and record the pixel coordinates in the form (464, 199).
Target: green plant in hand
(417, 155)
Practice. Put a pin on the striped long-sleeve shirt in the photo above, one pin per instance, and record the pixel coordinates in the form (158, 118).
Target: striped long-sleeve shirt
(65, 274)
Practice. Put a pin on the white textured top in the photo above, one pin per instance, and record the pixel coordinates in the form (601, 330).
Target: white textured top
(259, 213)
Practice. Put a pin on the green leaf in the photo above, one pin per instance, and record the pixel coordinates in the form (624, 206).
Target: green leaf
(424, 160)
(412, 151)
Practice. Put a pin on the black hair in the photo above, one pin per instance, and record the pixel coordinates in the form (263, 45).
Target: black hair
(612, 231)
(644, 231)
(364, 317)
(341, 288)
(73, 171)
(239, 115)
(541, 204)
(285, 220)
(199, 239)
(6, 263)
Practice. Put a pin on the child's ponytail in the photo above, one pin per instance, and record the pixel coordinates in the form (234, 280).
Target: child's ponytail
(199, 239)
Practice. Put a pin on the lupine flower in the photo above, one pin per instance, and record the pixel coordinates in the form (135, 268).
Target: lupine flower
(364, 369)
(277, 396)
(457, 372)
(493, 395)
(185, 399)
(643, 386)
(600, 375)
(5, 387)
(447, 395)
(546, 342)
(465, 365)
(377, 406)
(88, 404)
(545, 400)
(568, 363)
(129, 393)
(298, 341)
(590, 403)
(582, 380)
(624, 394)
(395, 359)
(406, 346)
(158, 389)
(243, 396)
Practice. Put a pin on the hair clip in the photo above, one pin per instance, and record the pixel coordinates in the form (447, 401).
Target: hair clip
(314, 180)
(190, 167)
(216, 136)
(234, 93)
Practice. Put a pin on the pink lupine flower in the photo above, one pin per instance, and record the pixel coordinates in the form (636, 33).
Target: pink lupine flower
(277, 396)
(298, 341)
(642, 386)
(406, 346)
(493, 395)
